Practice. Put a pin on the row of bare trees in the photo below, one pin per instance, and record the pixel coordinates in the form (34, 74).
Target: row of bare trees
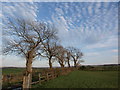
(34, 39)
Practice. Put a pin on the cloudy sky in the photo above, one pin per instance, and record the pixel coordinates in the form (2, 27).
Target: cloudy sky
(89, 26)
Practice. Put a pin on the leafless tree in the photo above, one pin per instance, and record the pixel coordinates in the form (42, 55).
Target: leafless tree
(76, 55)
(79, 62)
(67, 57)
(26, 38)
(60, 55)
(49, 47)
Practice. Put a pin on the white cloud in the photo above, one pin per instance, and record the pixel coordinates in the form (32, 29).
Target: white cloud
(59, 11)
(15, 10)
(79, 25)
(0, 15)
(92, 30)
(115, 50)
(90, 9)
(23, 10)
(11, 61)
(111, 42)
(101, 58)
(98, 5)
(92, 54)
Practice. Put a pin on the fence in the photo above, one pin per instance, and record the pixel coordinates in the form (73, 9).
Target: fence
(13, 80)
(50, 74)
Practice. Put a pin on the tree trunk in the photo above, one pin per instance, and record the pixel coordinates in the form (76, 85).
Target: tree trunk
(75, 63)
(62, 65)
(68, 63)
(50, 62)
(28, 74)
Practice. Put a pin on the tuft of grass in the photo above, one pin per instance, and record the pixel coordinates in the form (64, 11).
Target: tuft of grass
(83, 79)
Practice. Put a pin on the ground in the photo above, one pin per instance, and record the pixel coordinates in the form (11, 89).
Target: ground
(83, 79)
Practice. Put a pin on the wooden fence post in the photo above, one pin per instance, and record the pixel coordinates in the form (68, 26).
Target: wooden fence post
(1, 80)
(52, 75)
(47, 77)
(9, 78)
(39, 75)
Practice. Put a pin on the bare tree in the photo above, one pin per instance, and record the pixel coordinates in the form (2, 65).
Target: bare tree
(49, 47)
(76, 55)
(79, 62)
(68, 57)
(26, 38)
(60, 55)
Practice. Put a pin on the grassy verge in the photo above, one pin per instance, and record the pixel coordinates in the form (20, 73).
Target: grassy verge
(83, 79)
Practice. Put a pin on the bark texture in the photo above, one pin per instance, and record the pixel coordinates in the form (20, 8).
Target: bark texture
(68, 63)
(28, 74)
(50, 62)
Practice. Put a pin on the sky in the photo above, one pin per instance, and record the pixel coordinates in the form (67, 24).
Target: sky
(89, 26)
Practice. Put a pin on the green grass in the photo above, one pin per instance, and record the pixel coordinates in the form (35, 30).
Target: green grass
(8, 71)
(83, 79)
(16, 73)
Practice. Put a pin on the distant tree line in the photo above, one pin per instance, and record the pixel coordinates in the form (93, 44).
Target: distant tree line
(33, 40)
(100, 67)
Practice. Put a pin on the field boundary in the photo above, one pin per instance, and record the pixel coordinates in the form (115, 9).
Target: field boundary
(38, 77)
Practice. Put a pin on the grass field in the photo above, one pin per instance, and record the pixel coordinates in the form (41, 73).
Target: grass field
(84, 79)
(8, 71)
